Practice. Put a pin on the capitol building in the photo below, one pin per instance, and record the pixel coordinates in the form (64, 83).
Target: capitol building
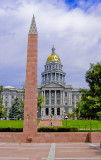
(60, 98)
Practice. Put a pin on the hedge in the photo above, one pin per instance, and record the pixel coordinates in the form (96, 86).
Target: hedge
(11, 129)
(57, 129)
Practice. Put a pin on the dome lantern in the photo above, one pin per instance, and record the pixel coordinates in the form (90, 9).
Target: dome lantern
(53, 49)
(53, 57)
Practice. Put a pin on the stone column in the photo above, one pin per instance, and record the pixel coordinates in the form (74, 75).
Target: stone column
(50, 76)
(55, 97)
(71, 99)
(49, 111)
(49, 97)
(44, 96)
(63, 98)
(55, 76)
(59, 76)
(30, 105)
(60, 97)
(55, 112)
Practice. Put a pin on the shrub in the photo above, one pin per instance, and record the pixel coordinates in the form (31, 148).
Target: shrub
(57, 129)
(9, 129)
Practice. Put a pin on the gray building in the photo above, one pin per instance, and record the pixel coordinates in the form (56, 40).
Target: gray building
(9, 94)
(59, 97)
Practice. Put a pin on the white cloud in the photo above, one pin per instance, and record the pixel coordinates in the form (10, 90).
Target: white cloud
(75, 33)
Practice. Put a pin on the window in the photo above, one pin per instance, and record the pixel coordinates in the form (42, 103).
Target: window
(52, 102)
(47, 101)
(57, 76)
(58, 102)
(52, 111)
(65, 103)
(12, 97)
(53, 76)
(58, 111)
(52, 94)
(6, 104)
(47, 111)
(60, 77)
(65, 94)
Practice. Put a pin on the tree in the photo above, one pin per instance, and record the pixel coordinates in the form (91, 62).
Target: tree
(2, 111)
(16, 110)
(40, 100)
(77, 109)
(99, 115)
(91, 99)
(70, 115)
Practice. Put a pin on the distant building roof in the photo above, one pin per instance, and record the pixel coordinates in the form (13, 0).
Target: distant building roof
(9, 87)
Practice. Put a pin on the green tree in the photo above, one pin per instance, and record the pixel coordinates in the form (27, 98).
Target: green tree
(2, 111)
(91, 99)
(99, 115)
(70, 115)
(77, 109)
(40, 100)
(16, 110)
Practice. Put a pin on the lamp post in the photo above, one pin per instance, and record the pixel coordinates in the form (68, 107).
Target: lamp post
(66, 120)
(64, 113)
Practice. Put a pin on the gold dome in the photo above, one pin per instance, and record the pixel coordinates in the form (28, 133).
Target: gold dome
(53, 57)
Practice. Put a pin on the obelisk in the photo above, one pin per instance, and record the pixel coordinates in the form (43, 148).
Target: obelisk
(30, 105)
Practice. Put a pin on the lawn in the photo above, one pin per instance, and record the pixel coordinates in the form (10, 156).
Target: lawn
(80, 124)
(83, 124)
(12, 123)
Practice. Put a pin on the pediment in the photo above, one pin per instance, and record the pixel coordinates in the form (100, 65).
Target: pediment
(53, 85)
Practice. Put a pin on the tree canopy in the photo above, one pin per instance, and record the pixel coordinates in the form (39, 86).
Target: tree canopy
(16, 110)
(91, 98)
(2, 111)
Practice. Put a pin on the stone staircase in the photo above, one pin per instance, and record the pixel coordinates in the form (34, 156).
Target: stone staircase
(47, 123)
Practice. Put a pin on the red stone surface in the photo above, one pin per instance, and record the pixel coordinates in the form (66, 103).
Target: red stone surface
(95, 137)
(63, 151)
(30, 107)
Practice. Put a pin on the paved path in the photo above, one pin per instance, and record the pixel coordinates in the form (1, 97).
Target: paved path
(47, 123)
(50, 151)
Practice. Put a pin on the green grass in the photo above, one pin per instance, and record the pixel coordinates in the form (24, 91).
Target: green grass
(83, 124)
(13, 123)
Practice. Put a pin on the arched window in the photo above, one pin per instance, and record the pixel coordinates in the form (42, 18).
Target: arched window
(58, 111)
(47, 111)
(52, 111)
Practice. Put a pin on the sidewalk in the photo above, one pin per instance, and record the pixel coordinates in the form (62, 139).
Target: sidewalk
(49, 151)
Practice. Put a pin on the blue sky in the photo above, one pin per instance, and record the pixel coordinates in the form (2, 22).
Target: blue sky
(73, 26)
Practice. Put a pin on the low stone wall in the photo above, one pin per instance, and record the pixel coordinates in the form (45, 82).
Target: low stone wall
(95, 137)
(51, 137)
(45, 137)
(61, 137)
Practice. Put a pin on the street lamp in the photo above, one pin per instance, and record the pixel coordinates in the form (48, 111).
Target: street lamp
(66, 117)
(64, 113)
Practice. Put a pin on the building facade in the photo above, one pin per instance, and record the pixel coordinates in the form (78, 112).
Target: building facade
(9, 94)
(59, 98)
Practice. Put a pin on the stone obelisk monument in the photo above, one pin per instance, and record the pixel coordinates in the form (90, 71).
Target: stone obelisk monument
(30, 106)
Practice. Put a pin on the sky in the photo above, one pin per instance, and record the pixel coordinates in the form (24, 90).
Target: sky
(73, 26)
